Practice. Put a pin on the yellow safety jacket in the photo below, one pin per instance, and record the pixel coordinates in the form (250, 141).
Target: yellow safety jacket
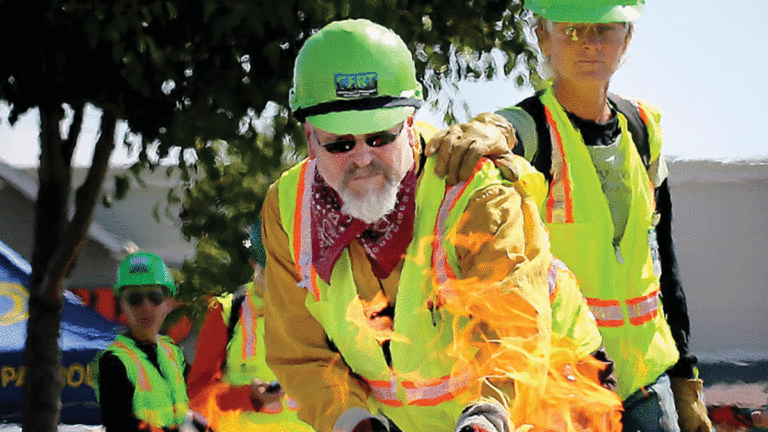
(418, 391)
(161, 402)
(246, 360)
(620, 281)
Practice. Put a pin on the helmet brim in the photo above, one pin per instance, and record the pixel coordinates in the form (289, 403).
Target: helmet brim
(355, 122)
(592, 14)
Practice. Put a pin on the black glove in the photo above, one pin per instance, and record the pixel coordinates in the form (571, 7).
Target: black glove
(371, 424)
(488, 416)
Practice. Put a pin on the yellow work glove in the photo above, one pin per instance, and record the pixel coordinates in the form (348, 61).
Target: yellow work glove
(460, 147)
(689, 400)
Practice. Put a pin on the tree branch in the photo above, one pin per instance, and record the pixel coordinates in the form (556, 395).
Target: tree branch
(85, 203)
(68, 145)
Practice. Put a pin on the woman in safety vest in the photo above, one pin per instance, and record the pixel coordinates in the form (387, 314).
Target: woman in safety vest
(608, 208)
(140, 376)
(229, 382)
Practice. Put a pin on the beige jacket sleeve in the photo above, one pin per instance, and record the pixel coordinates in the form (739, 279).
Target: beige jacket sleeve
(297, 349)
(509, 267)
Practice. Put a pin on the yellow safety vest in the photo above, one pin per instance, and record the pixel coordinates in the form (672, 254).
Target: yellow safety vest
(620, 282)
(161, 402)
(419, 391)
(246, 359)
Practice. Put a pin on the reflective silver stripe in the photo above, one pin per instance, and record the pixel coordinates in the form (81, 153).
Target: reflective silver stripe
(434, 392)
(643, 309)
(559, 204)
(386, 391)
(249, 327)
(640, 310)
(142, 380)
(555, 267)
(607, 312)
(440, 261)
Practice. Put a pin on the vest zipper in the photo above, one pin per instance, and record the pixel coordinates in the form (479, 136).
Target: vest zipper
(617, 249)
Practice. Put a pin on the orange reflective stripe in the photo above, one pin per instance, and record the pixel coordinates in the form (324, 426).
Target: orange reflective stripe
(559, 204)
(302, 239)
(607, 312)
(442, 269)
(385, 391)
(169, 354)
(142, 381)
(248, 349)
(643, 113)
(436, 391)
(640, 310)
(643, 309)
(291, 404)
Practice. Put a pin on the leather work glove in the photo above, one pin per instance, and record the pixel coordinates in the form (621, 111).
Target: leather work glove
(486, 416)
(689, 401)
(760, 419)
(460, 147)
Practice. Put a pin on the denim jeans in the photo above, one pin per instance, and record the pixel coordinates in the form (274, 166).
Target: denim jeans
(651, 409)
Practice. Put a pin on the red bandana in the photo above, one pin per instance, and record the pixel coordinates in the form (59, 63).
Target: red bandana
(385, 240)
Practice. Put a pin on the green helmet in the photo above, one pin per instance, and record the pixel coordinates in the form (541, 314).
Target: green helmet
(354, 77)
(143, 268)
(587, 11)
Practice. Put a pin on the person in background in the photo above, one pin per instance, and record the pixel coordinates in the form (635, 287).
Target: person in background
(608, 208)
(229, 382)
(376, 270)
(140, 376)
(760, 419)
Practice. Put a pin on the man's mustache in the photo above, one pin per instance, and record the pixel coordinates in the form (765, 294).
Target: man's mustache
(372, 168)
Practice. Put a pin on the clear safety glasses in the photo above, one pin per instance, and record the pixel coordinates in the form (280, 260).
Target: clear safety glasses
(600, 32)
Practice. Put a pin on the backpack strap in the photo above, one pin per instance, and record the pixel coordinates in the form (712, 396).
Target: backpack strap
(532, 131)
(637, 127)
(537, 148)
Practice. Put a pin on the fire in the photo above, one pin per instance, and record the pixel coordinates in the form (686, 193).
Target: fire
(553, 389)
(223, 419)
(514, 352)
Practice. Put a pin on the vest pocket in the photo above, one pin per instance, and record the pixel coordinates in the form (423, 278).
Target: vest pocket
(577, 245)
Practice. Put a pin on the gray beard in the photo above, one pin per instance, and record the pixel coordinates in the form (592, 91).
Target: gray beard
(373, 205)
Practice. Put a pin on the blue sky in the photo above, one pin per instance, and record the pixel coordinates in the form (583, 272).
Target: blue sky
(702, 62)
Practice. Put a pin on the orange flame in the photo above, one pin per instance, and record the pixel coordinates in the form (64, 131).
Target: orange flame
(208, 403)
(519, 361)
(519, 356)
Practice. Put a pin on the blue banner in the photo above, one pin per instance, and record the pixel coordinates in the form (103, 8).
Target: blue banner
(83, 334)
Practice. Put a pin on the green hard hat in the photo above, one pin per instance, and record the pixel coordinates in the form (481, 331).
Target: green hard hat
(143, 268)
(354, 77)
(587, 11)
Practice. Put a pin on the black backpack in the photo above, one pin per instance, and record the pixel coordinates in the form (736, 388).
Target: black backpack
(542, 159)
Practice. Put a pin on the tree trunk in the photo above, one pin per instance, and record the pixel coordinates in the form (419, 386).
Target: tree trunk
(56, 244)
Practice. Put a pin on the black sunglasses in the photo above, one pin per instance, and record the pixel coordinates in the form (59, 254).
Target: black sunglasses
(136, 298)
(375, 141)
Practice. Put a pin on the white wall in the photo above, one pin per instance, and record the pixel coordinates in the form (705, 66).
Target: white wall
(721, 234)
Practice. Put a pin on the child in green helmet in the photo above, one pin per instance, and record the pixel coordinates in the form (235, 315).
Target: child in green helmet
(140, 376)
